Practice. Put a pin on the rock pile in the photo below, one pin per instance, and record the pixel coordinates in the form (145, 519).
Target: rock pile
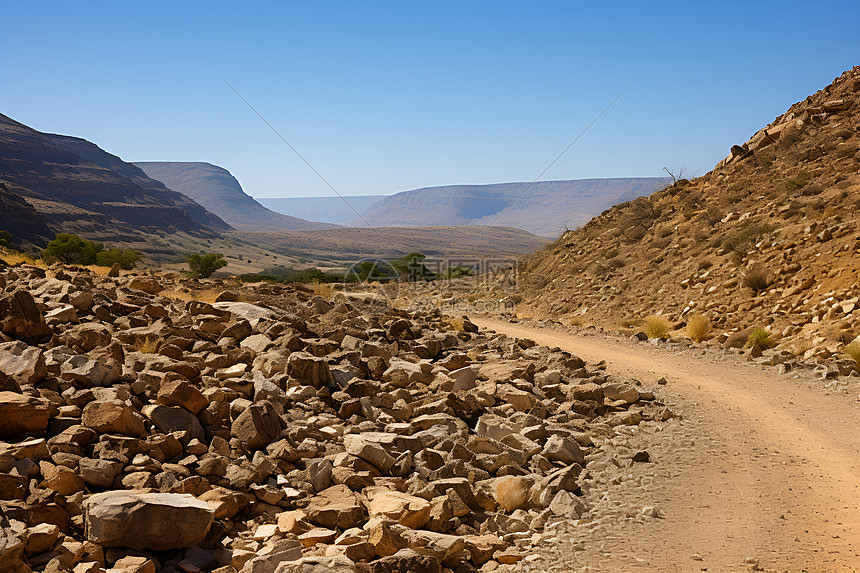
(277, 431)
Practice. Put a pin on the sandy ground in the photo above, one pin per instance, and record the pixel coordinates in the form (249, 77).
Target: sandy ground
(759, 471)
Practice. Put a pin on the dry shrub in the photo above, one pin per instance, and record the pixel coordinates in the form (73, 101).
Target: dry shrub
(323, 290)
(698, 328)
(758, 278)
(760, 338)
(657, 327)
(852, 351)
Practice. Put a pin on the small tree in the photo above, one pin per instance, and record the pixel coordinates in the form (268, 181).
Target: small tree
(127, 258)
(71, 249)
(202, 266)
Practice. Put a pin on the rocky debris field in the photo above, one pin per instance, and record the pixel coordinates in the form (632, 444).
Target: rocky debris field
(273, 430)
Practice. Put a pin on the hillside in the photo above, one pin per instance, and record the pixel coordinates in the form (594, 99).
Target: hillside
(393, 242)
(217, 190)
(546, 208)
(782, 211)
(326, 209)
(75, 186)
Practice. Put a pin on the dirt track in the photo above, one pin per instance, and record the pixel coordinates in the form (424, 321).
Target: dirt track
(759, 466)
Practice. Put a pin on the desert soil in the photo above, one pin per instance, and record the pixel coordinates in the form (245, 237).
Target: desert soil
(758, 471)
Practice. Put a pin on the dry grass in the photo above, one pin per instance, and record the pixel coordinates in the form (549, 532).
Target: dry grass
(657, 327)
(15, 258)
(758, 278)
(323, 290)
(148, 345)
(698, 328)
(852, 351)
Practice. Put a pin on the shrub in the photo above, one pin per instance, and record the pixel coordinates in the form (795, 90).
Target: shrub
(127, 258)
(6, 239)
(760, 338)
(758, 278)
(657, 327)
(202, 266)
(852, 351)
(71, 249)
(698, 328)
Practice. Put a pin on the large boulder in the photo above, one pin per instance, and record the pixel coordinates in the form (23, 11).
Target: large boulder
(334, 507)
(406, 509)
(22, 414)
(23, 363)
(146, 521)
(309, 369)
(257, 426)
(174, 419)
(20, 318)
(113, 417)
(563, 449)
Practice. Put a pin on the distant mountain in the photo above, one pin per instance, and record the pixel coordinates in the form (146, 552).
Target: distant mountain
(217, 190)
(546, 208)
(327, 209)
(75, 186)
(21, 220)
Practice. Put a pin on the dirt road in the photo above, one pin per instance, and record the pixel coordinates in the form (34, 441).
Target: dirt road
(760, 468)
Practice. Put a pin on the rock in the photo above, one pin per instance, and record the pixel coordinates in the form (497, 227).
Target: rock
(642, 457)
(511, 492)
(20, 318)
(99, 473)
(448, 549)
(563, 449)
(41, 538)
(319, 472)
(113, 417)
(405, 509)
(406, 560)
(22, 414)
(146, 284)
(133, 564)
(566, 504)
(60, 479)
(309, 369)
(114, 270)
(360, 446)
(317, 535)
(174, 419)
(272, 556)
(521, 400)
(153, 521)
(257, 426)
(181, 393)
(483, 547)
(618, 391)
(12, 535)
(23, 363)
(334, 507)
(334, 564)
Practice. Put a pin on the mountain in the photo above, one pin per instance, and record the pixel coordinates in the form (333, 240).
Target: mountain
(219, 192)
(75, 186)
(21, 220)
(326, 209)
(544, 208)
(770, 238)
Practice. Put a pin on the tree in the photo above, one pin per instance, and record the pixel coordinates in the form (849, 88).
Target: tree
(127, 258)
(412, 268)
(202, 266)
(71, 249)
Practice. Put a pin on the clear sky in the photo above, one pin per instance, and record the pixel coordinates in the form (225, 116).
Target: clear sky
(385, 97)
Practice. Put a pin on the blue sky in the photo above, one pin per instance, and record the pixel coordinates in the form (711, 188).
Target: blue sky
(385, 97)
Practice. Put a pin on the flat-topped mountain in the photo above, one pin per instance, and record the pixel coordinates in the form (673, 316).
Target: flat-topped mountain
(75, 186)
(327, 209)
(218, 191)
(543, 208)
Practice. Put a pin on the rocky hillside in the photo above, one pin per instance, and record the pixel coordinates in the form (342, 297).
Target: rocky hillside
(217, 190)
(547, 208)
(75, 186)
(770, 238)
(273, 430)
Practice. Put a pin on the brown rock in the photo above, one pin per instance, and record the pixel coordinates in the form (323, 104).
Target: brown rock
(21, 414)
(334, 507)
(563, 449)
(41, 538)
(405, 509)
(20, 318)
(113, 417)
(406, 561)
(61, 479)
(483, 547)
(258, 426)
(154, 521)
(309, 369)
(181, 393)
(23, 363)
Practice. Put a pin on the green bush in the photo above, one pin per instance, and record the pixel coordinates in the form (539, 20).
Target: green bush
(411, 267)
(127, 258)
(71, 249)
(6, 239)
(761, 339)
(202, 266)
